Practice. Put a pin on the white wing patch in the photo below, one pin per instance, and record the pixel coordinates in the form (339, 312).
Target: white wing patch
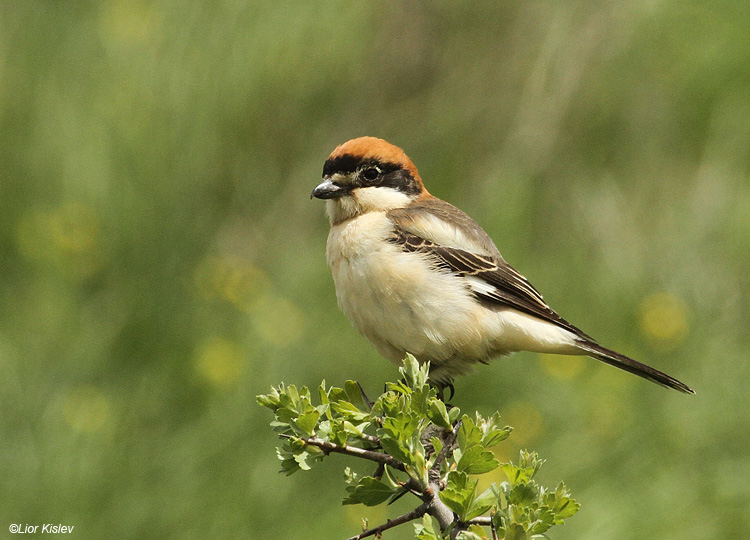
(479, 286)
(432, 228)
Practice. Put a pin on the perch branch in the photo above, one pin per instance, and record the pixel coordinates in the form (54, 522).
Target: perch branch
(351, 451)
(447, 446)
(418, 512)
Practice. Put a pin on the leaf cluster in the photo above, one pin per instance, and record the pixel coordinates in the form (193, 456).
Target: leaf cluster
(422, 447)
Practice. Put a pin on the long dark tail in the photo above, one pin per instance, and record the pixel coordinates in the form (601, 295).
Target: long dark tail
(636, 368)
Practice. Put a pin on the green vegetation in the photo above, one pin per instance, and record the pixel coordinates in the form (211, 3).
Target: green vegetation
(420, 447)
(161, 263)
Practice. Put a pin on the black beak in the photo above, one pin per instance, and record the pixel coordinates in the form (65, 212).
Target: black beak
(327, 190)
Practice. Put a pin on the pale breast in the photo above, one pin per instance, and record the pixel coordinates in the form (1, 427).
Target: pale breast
(398, 300)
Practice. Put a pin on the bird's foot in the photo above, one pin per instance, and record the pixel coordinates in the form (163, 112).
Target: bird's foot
(441, 391)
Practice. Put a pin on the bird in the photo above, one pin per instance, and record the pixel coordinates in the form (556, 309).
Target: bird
(414, 274)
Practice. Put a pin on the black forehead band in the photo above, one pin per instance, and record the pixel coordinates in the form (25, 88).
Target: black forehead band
(347, 164)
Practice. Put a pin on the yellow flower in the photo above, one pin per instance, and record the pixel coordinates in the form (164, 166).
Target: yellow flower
(664, 319)
(219, 361)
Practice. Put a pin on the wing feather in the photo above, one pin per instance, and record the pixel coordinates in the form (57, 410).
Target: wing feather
(499, 283)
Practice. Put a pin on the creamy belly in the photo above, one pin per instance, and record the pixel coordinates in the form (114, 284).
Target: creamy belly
(396, 300)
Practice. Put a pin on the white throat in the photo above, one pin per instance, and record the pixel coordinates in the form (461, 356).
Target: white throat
(366, 199)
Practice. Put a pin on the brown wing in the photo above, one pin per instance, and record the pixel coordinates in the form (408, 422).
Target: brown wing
(504, 285)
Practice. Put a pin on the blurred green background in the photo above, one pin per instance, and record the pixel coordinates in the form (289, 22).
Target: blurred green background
(161, 262)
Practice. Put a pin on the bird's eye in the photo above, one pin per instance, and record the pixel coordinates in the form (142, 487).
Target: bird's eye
(371, 174)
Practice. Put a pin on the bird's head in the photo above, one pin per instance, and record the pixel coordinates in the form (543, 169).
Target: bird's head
(365, 175)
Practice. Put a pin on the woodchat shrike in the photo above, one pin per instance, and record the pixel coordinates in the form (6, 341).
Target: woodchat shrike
(415, 274)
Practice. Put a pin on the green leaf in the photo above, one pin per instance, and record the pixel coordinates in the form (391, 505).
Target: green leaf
(438, 414)
(418, 468)
(459, 493)
(323, 396)
(270, 400)
(496, 436)
(350, 476)
(560, 503)
(306, 422)
(339, 433)
(295, 444)
(492, 433)
(427, 529)
(286, 415)
(472, 534)
(301, 460)
(368, 491)
(336, 394)
(545, 520)
(523, 494)
(403, 426)
(468, 434)
(388, 475)
(437, 445)
(477, 460)
(532, 460)
(420, 398)
(396, 449)
(354, 395)
(482, 503)
(414, 374)
(349, 411)
(528, 465)
(398, 388)
(290, 397)
(515, 531)
(288, 464)
(354, 430)
(516, 474)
